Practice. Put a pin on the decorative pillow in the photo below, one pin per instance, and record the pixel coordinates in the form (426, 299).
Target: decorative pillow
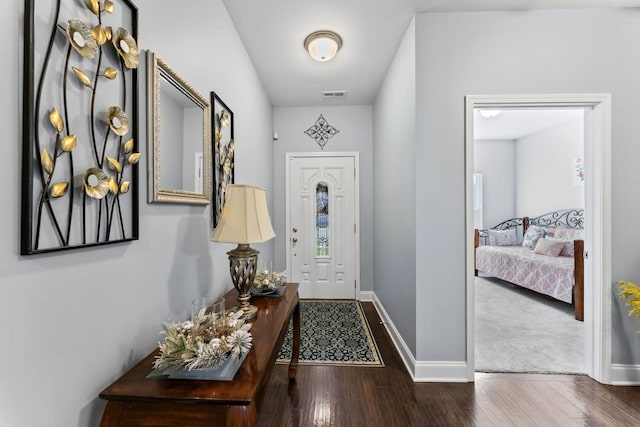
(570, 233)
(502, 237)
(531, 237)
(551, 231)
(568, 246)
(549, 247)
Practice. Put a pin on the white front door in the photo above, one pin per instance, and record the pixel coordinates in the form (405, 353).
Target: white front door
(322, 224)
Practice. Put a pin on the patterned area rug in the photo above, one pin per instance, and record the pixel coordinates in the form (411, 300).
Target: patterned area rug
(333, 332)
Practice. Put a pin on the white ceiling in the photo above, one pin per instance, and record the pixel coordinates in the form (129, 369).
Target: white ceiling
(517, 123)
(273, 32)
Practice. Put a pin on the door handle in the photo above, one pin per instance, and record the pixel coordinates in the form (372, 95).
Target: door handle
(294, 240)
(295, 230)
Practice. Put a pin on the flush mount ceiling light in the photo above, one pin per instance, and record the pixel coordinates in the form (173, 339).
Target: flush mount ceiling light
(490, 113)
(323, 45)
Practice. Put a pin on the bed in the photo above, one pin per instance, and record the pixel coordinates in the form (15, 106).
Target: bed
(543, 254)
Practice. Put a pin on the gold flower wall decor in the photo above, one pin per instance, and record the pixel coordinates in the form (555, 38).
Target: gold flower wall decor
(126, 47)
(80, 120)
(81, 38)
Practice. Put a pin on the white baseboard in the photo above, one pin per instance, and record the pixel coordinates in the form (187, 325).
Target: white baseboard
(419, 371)
(450, 372)
(625, 374)
(366, 296)
(401, 346)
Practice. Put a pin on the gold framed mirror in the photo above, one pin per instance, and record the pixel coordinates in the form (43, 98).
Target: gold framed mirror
(179, 138)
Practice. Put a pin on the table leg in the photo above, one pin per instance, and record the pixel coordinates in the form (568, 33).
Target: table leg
(242, 416)
(295, 351)
(112, 415)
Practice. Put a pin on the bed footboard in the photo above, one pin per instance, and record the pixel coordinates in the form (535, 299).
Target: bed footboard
(476, 243)
(578, 276)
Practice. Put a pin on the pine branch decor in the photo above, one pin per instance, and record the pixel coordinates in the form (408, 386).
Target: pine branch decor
(203, 342)
(267, 280)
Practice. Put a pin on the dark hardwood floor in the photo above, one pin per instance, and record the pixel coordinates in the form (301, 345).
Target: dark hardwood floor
(386, 396)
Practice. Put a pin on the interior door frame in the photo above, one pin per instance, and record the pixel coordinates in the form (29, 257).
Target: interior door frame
(289, 157)
(597, 153)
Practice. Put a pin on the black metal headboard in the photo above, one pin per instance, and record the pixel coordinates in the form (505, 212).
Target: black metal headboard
(517, 223)
(568, 218)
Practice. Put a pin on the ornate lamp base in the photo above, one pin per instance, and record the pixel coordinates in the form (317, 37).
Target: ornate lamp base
(242, 266)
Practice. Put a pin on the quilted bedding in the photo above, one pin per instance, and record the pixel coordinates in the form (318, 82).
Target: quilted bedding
(547, 275)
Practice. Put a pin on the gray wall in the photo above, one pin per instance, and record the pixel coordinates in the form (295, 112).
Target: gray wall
(544, 169)
(531, 175)
(394, 206)
(354, 124)
(556, 51)
(496, 160)
(73, 322)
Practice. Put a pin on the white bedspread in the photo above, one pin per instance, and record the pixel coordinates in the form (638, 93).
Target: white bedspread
(547, 275)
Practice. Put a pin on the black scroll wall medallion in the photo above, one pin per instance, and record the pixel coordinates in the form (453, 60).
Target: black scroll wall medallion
(321, 131)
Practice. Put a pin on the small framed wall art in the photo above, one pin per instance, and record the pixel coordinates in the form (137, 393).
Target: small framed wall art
(223, 154)
(578, 171)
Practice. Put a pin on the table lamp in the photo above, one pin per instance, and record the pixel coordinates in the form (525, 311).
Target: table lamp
(244, 220)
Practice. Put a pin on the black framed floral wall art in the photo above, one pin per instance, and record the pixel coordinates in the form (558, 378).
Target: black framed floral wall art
(223, 154)
(80, 124)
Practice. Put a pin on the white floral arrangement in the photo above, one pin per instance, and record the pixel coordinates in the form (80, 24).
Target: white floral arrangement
(267, 280)
(203, 342)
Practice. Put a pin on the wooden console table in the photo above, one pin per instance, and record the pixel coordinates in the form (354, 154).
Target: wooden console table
(134, 400)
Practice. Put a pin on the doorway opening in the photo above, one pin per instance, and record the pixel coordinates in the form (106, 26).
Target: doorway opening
(524, 163)
(597, 265)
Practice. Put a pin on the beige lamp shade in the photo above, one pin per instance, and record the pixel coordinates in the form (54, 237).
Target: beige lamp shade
(245, 216)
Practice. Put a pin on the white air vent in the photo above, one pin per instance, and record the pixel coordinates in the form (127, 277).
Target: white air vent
(334, 94)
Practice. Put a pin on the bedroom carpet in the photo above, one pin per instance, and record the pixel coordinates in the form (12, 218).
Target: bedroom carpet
(521, 331)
